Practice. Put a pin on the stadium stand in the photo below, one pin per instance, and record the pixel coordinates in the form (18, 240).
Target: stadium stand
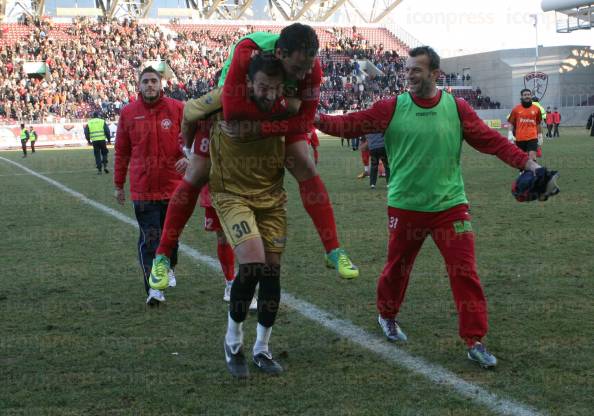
(91, 65)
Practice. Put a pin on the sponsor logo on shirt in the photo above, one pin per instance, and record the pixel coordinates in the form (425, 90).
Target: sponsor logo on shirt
(166, 124)
(426, 113)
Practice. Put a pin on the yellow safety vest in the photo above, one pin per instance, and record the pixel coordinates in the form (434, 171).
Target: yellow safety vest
(24, 134)
(96, 129)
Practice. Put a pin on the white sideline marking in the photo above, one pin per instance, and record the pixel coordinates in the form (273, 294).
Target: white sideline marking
(434, 373)
(49, 173)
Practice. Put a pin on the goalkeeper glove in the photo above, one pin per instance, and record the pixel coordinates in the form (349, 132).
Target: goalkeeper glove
(510, 136)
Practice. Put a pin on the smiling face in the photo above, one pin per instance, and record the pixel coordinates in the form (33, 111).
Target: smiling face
(150, 87)
(265, 89)
(421, 79)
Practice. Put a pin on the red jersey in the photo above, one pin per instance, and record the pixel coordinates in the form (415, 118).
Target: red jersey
(238, 106)
(377, 118)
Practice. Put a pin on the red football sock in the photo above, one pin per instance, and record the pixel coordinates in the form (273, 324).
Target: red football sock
(365, 157)
(317, 204)
(471, 341)
(227, 260)
(180, 209)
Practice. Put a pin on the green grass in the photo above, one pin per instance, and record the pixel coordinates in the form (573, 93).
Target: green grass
(78, 340)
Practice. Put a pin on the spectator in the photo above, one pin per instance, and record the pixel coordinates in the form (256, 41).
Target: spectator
(590, 124)
(377, 152)
(556, 122)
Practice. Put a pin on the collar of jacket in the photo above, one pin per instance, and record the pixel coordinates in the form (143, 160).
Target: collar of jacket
(153, 104)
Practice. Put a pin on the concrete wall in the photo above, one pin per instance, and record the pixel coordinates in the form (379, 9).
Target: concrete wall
(500, 74)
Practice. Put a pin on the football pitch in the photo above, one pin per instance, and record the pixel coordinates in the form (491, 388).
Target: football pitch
(77, 338)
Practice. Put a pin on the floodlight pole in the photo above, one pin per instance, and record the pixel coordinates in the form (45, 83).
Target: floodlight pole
(535, 17)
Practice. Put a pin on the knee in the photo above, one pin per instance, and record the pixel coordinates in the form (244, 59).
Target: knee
(196, 178)
(301, 166)
(197, 172)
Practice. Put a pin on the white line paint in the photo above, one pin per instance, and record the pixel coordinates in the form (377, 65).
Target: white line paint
(51, 173)
(432, 372)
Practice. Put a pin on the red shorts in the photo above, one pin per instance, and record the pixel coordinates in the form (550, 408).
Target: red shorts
(211, 220)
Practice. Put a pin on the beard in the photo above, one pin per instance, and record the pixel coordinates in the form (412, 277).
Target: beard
(149, 96)
(263, 105)
(526, 104)
(424, 88)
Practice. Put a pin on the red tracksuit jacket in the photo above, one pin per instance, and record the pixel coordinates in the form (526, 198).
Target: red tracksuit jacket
(148, 143)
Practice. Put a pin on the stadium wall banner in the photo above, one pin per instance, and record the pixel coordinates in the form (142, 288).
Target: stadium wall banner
(493, 123)
(48, 135)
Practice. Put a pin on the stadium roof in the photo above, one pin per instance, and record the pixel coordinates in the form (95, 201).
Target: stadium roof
(571, 14)
(339, 11)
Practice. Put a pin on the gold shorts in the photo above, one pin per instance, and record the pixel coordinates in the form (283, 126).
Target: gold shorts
(244, 218)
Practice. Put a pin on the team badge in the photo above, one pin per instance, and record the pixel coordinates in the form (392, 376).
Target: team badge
(166, 124)
(537, 82)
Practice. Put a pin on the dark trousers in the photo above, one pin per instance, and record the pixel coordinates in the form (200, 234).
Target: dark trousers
(33, 146)
(355, 143)
(151, 217)
(100, 151)
(376, 155)
(556, 130)
(549, 129)
(24, 147)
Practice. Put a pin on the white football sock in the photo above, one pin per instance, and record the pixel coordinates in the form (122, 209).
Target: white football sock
(234, 336)
(262, 338)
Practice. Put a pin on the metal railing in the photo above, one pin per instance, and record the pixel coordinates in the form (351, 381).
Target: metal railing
(579, 100)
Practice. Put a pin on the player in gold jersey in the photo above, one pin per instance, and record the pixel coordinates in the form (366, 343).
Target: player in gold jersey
(246, 186)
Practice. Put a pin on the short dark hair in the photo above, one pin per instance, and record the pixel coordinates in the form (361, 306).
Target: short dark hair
(434, 59)
(22, 125)
(147, 70)
(535, 99)
(267, 63)
(298, 38)
(526, 89)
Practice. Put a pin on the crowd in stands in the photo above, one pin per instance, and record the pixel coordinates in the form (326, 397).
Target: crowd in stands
(92, 65)
(345, 87)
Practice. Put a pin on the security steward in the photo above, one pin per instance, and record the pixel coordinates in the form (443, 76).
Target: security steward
(24, 139)
(97, 134)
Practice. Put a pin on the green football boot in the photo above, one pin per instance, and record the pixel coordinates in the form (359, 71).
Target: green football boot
(159, 278)
(339, 260)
